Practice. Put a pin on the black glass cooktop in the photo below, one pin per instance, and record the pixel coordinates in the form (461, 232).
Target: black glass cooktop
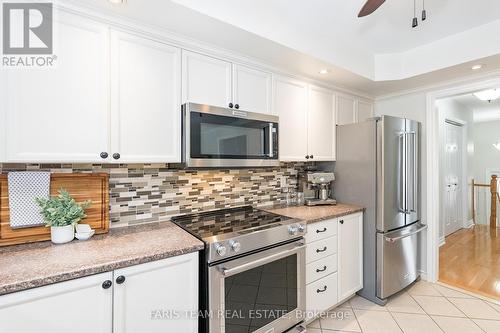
(241, 220)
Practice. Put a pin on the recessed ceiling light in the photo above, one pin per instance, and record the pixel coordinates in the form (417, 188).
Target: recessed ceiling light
(323, 71)
(117, 2)
(476, 67)
(488, 95)
(497, 145)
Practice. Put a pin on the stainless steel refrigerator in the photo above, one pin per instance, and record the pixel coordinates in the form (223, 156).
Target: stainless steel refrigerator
(378, 166)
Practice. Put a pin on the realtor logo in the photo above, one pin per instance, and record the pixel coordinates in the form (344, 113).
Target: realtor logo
(27, 28)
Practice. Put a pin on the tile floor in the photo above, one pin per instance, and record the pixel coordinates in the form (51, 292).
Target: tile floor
(423, 308)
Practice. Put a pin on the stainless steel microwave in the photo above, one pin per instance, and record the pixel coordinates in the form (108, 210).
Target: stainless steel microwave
(221, 137)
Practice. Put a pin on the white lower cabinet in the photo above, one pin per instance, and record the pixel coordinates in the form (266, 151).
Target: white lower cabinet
(151, 297)
(334, 262)
(77, 306)
(152, 293)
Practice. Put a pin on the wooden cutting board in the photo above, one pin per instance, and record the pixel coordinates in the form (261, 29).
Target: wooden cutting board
(81, 186)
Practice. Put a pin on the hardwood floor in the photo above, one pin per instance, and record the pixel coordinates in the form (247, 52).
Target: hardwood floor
(470, 259)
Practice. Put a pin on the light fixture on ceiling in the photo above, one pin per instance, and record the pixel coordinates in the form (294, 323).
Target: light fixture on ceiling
(117, 2)
(424, 12)
(487, 95)
(497, 145)
(414, 22)
(323, 71)
(476, 67)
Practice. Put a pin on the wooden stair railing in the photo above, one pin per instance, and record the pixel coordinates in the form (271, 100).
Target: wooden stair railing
(493, 185)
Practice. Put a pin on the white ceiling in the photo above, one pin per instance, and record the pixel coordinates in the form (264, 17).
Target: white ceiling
(483, 110)
(341, 42)
(382, 46)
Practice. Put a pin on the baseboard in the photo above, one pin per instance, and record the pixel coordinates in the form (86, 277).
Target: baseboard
(423, 274)
(441, 241)
(469, 224)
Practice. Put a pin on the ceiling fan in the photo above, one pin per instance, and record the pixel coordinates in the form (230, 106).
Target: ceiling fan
(372, 5)
(369, 7)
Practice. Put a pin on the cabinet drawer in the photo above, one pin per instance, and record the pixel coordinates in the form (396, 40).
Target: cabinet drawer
(321, 249)
(321, 268)
(321, 230)
(321, 295)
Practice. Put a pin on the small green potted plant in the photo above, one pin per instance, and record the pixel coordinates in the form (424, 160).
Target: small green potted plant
(61, 213)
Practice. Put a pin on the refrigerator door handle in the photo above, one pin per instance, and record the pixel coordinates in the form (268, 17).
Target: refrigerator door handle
(402, 183)
(394, 239)
(411, 171)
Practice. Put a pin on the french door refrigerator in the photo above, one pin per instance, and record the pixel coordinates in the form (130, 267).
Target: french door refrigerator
(378, 166)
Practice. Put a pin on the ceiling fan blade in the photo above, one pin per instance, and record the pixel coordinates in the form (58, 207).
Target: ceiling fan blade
(369, 7)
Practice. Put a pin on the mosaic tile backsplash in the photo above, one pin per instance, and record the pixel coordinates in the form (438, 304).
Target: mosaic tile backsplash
(141, 193)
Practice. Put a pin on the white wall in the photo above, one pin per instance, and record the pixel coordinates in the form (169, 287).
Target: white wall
(485, 155)
(411, 106)
(450, 109)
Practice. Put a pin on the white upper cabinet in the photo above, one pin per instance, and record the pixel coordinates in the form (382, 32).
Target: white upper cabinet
(77, 306)
(146, 100)
(321, 124)
(345, 110)
(365, 111)
(251, 89)
(350, 254)
(290, 104)
(143, 294)
(205, 80)
(60, 114)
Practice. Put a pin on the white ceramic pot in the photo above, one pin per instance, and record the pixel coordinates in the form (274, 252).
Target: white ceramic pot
(61, 235)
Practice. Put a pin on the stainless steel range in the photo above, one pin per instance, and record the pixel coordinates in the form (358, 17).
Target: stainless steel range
(252, 270)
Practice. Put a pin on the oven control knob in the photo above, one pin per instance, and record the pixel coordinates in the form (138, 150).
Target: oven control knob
(293, 230)
(235, 246)
(221, 249)
(302, 228)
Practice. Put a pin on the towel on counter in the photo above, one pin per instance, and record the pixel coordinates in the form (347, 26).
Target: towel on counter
(24, 187)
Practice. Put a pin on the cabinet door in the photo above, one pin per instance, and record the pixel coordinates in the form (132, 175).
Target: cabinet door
(321, 124)
(365, 111)
(77, 306)
(157, 297)
(350, 254)
(252, 89)
(346, 110)
(60, 114)
(290, 104)
(205, 80)
(146, 99)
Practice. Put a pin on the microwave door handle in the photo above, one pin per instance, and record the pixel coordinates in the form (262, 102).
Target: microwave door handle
(271, 139)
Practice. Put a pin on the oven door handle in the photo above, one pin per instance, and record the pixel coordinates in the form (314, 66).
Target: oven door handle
(262, 261)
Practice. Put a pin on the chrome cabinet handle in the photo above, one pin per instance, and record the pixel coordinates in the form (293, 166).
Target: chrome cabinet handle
(319, 231)
(323, 250)
(321, 290)
(321, 270)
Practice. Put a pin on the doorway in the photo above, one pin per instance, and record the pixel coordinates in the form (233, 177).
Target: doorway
(453, 170)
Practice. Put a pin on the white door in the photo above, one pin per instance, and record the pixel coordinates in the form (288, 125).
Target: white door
(76, 306)
(345, 110)
(157, 297)
(61, 114)
(251, 89)
(452, 174)
(364, 111)
(350, 254)
(321, 124)
(205, 80)
(146, 100)
(290, 104)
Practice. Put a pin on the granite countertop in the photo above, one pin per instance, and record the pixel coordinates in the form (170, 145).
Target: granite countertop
(311, 214)
(38, 264)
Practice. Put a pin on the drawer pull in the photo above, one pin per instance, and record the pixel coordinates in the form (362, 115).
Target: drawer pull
(319, 231)
(321, 270)
(322, 250)
(321, 290)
